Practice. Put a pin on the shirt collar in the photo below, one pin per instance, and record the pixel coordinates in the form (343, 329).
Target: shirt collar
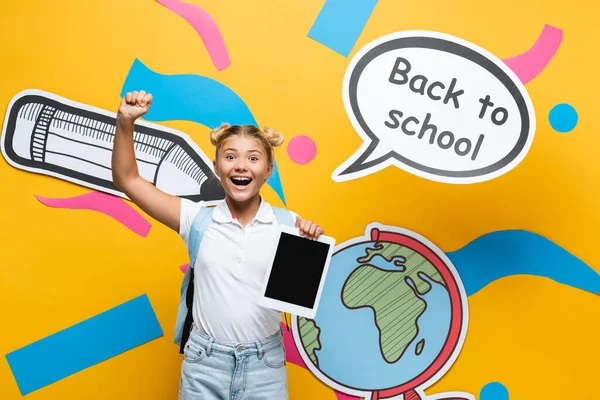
(222, 214)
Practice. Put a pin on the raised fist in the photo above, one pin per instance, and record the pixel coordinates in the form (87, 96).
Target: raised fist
(134, 105)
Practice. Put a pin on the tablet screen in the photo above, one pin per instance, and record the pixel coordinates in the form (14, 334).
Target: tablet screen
(297, 270)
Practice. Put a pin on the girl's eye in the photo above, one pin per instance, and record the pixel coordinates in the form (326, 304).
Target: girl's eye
(229, 157)
(253, 158)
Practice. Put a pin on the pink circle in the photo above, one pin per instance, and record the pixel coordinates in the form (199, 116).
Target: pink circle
(302, 149)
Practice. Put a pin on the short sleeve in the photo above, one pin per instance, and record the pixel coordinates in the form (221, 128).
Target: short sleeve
(188, 212)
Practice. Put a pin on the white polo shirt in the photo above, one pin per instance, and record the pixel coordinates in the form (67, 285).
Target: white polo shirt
(229, 272)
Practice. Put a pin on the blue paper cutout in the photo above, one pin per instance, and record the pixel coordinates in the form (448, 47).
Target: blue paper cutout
(193, 98)
(340, 23)
(563, 118)
(514, 252)
(83, 345)
(493, 391)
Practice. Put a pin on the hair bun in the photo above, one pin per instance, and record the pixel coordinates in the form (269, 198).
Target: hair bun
(216, 133)
(275, 138)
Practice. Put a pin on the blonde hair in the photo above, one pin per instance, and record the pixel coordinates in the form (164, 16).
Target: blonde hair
(267, 137)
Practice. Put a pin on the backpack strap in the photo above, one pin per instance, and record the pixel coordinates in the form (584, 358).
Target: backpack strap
(182, 327)
(283, 216)
(201, 222)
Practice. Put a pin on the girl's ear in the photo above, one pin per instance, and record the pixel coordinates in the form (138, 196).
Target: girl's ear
(215, 167)
(269, 171)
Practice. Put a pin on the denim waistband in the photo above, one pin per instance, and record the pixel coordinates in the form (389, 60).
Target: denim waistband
(236, 349)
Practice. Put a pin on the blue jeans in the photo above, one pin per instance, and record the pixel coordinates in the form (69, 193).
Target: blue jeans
(217, 370)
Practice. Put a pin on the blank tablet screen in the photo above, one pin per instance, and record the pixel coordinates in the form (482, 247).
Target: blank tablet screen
(297, 270)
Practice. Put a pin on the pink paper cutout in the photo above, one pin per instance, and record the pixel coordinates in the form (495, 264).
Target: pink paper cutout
(529, 64)
(206, 27)
(184, 267)
(302, 149)
(112, 206)
(344, 396)
(293, 356)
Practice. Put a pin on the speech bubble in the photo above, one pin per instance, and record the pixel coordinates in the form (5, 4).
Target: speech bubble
(436, 106)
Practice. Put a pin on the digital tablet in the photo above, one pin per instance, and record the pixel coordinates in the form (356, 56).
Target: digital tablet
(294, 281)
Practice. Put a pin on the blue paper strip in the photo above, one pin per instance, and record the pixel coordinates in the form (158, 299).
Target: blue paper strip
(193, 98)
(83, 345)
(516, 252)
(340, 23)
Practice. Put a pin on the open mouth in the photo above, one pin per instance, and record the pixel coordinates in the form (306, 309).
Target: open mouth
(241, 181)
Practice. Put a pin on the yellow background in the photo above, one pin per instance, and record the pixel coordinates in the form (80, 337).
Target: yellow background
(58, 267)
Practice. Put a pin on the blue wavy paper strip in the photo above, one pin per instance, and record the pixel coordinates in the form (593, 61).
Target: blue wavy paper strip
(516, 252)
(195, 98)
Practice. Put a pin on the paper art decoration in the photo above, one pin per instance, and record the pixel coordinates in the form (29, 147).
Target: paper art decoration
(563, 118)
(206, 27)
(518, 252)
(435, 106)
(340, 23)
(51, 135)
(85, 344)
(302, 149)
(392, 304)
(529, 64)
(107, 204)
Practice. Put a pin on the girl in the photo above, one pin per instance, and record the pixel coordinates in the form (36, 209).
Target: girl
(235, 348)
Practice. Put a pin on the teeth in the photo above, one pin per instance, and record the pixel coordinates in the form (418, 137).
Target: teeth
(241, 180)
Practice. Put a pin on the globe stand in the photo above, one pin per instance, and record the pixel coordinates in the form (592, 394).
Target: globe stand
(412, 395)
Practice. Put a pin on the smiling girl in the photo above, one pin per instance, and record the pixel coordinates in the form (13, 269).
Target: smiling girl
(235, 348)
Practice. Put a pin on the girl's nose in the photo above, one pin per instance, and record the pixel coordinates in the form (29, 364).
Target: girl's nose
(241, 166)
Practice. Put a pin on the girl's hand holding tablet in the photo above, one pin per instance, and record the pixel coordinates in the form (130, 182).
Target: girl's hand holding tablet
(308, 228)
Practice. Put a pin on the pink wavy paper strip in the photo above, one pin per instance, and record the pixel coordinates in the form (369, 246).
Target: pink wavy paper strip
(184, 267)
(112, 206)
(529, 64)
(291, 351)
(206, 27)
(293, 356)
